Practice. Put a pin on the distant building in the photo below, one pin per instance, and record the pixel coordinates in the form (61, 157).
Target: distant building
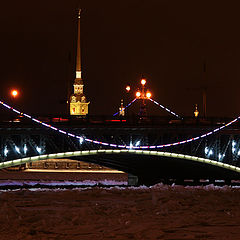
(78, 101)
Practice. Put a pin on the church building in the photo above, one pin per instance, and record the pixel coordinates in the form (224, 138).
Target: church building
(78, 101)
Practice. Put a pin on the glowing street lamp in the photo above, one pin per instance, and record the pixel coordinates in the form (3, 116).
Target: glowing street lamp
(128, 88)
(148, 94)
(14, 93)
(143, 81)
(138, 94)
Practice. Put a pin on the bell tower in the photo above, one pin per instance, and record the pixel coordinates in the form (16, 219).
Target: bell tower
(78, 101)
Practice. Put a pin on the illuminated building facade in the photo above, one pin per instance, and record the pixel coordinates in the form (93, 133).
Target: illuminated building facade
(78, 101)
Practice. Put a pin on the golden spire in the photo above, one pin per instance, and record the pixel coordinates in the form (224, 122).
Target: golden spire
(78, 62)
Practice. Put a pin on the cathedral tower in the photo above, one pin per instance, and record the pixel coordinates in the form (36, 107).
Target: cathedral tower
(78, 101)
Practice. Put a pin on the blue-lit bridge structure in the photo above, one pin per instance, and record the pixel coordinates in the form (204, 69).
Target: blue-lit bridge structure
(156, 149)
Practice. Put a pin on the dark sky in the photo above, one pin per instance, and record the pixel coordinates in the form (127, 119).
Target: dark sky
(165, 40)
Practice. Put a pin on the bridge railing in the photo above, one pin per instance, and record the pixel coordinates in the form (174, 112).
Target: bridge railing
(110, 120)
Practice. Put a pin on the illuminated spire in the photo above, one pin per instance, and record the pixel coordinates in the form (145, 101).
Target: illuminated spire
(78, 101)
(78, 62)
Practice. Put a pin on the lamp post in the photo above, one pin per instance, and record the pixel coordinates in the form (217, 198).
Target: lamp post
(143, 94)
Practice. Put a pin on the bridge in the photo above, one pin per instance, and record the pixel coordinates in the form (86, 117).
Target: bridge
(150, 166)
(154, 150)
(150, 148)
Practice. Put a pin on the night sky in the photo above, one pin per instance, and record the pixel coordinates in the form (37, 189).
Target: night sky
(167, 41)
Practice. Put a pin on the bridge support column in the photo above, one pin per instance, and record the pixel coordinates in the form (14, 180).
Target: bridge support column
(196, 181)
(132, 180)
(212, 181)
(228, 182)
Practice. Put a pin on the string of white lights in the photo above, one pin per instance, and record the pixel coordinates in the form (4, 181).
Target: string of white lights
(168, 110)
(81, 139)
(125, 106)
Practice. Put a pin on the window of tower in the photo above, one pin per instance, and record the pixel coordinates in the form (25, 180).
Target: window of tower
(83, 99)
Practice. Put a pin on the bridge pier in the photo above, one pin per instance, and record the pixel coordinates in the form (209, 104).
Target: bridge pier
(211, 181)
(227, 182)
(196, 181)
(132, 180)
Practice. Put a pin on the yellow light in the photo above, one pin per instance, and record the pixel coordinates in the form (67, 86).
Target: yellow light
(196, 112)
(148, 95)
(14, 93)
(128, 88)
(143, 81)
(138, 94)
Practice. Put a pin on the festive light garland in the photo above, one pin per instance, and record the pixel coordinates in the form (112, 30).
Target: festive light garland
(168, 110)
(116, 145)
(155, 102)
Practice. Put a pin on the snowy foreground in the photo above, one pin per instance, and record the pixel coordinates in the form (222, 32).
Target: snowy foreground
(158, 212)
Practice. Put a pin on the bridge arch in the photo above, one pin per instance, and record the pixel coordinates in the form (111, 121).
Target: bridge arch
(150, 166)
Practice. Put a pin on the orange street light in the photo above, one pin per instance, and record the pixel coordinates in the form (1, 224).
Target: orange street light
(143, 81)
(138, 94)
(14, 93)
(196, 112)
(128, 88)
(148, 94)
